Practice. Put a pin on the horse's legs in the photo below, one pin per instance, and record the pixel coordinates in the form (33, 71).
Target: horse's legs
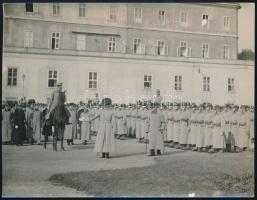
(62, 148)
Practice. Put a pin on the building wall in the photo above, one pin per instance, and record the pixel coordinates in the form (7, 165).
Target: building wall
(17, 21)
(122, 78)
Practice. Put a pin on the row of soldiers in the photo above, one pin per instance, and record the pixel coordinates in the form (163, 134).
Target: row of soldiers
(185, 125)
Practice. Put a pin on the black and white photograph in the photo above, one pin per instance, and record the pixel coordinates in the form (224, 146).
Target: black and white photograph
(128, 99)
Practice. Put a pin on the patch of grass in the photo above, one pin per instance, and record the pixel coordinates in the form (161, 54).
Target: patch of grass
(166, 178)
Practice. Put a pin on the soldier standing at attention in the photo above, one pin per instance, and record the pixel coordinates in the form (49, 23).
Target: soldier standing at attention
(155, 128)
(201, 128)
(176, 125)
(242, 136)
(233, 121)
(227, 134)
(170, 125)
(184, 117)
(29, 121)
(193, 127)
(208, 127)
(217, 131)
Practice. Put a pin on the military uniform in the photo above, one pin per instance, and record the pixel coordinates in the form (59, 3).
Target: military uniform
(155, 127)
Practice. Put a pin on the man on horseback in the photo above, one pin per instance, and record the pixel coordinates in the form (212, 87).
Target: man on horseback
(58, 115)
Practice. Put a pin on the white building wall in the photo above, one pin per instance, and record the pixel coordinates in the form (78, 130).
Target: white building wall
(122, 78)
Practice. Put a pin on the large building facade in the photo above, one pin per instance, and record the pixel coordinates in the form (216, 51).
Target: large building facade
(125, 51)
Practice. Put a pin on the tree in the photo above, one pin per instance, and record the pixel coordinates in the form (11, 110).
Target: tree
(246, 54)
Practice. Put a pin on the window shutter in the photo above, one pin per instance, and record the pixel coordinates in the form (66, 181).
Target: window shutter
(35, 8)
(143, 48)
(166, 50)
(49, 42)
(178, 51)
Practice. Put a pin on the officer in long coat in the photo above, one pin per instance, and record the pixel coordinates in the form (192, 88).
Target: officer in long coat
(233, 121)
(243, 129)
(29, 121)
(193, 127)
(200, 128)
(36, 124)
(6, 125)
(155, 128)
(18, 121)
(208, 127)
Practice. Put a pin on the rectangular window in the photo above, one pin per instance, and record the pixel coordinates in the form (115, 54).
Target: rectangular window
(81, 42)
(178, 83)
(147, 81)
(183, 17)
(226, 22)
(226, 52)
(113, 13)
(92, 80)
(29, 7)
(231, 86)
(183, 49)
(160, 50)
(82, 10)
(52, 78)
(205, 51)
(206, 84)
(12, 77)
(55, 40)
(56, 9)
(137, 45)
(111, 44)
(161, 17)
(28, 39)
(138, 15)
(205, 21)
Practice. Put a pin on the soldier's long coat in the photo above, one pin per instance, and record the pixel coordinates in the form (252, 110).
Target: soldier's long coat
(6, 126)
(105, 141)
(85, 126)
(143, 116)
(208, 129)
(233, 122)
(200, 130)
(138, 123)
(176, 126)
(218, 131)
(242, 134)
(226, 117)
(192, 134)
(184, 117)
(170, 125)
(36, 124)
(29, 123)
(155, 123)
(121, 120)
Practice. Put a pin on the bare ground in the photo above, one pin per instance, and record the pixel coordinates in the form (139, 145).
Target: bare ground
(79, 172)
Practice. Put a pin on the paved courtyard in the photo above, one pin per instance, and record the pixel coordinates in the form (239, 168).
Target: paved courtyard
(27, 169)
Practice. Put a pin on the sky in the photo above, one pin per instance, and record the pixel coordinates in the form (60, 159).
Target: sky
(246, 29)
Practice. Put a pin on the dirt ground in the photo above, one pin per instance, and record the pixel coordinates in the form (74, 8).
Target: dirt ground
(31, 171)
